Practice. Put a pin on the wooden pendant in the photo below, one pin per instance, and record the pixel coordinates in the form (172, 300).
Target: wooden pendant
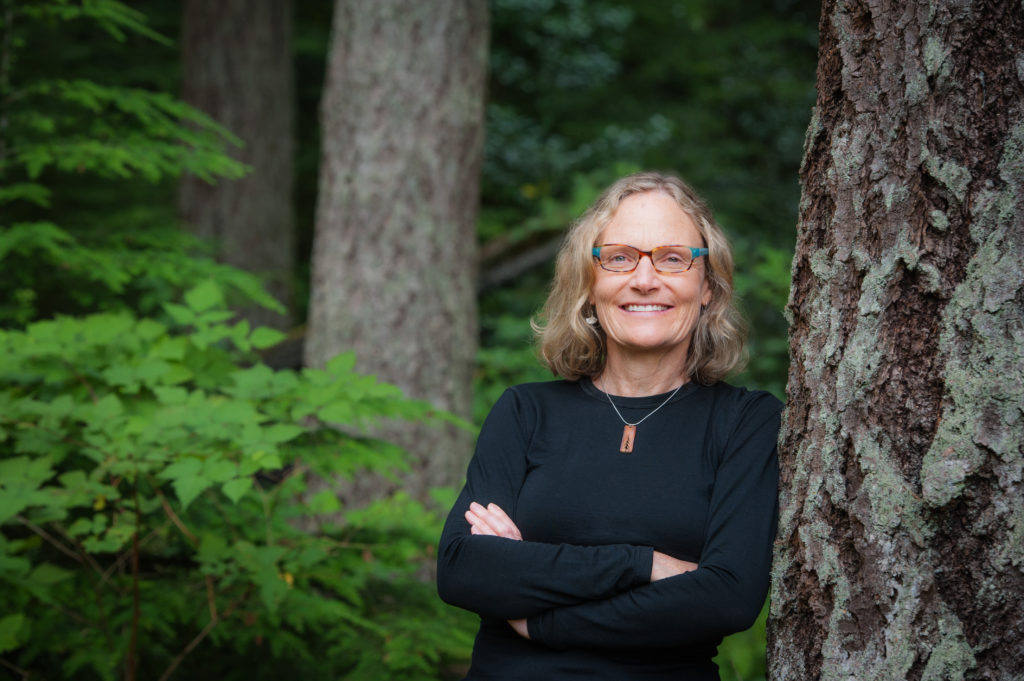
(628, 437)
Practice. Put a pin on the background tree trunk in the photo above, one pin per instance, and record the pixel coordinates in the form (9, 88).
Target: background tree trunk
(237, 67)
(394, 254)
(901, 542)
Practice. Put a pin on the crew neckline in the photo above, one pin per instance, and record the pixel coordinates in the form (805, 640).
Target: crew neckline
(588, 387)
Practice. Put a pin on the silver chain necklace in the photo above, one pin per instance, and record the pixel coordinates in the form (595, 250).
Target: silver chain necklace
(629, 431)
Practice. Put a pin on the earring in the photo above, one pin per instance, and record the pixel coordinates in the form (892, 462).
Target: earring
(591, 317)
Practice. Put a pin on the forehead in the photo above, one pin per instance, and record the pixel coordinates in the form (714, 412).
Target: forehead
(648, 220)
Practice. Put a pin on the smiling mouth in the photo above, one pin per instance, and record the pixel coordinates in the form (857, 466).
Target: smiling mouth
(645, 308)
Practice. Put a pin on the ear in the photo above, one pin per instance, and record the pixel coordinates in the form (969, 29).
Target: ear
(705, 294)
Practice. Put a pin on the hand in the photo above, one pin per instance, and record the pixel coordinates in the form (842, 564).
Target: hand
(665, 565)
(520, 627)
(491, 521)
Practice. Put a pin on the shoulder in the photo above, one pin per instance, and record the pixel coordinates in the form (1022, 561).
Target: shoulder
(526, 400)
(546, 388)
(542, 393)
(737, 412)
(738, 400)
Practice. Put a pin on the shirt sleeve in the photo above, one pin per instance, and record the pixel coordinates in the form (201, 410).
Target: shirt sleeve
(507, 579)
(725, 593)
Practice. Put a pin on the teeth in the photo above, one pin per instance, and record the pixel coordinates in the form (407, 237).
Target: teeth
(646, 308)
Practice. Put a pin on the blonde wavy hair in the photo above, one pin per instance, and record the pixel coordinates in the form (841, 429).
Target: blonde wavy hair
(572, 349)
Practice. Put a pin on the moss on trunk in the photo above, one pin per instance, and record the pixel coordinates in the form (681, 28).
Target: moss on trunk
(902, 499)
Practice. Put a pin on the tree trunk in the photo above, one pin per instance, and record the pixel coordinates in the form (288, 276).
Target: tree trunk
(395, 246)
(237, 67)
(901, 544)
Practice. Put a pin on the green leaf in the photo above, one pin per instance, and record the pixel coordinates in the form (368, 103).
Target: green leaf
(219, 470)
(149, 329)
(205, 296)
(46, 574)
(188, 488)
(282, 432)
(179, 313)
(342, 364)
(185, 467)
(20, 480)
(112, 540)
(10, 626)
(265, 337)
(324, 501)
(170, 395)
(337, 412)
(177, 374)
(30, 192)
(187, 479)
(171, 348)
(83, 526)
(265, 460)
(240, 335)
(107, 408)
(236, 489)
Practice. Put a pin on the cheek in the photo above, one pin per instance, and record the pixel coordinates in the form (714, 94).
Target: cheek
(601, 293)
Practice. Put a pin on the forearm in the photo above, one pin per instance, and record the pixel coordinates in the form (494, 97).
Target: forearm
(692, 609)
(506, 579)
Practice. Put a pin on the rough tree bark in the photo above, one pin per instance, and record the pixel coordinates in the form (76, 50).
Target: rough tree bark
(394, 254)
(237, 67)
(901, 545)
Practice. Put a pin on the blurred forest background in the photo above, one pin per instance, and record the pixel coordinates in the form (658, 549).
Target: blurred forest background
(157, 517)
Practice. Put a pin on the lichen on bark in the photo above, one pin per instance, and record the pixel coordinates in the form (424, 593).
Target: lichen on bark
(902, 513)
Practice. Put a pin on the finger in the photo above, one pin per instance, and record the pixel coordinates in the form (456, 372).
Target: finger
(495, 520)
(479, 524)
(508, 527)
(482, 516)
(521, 628)
(499, 512)
(488, 518)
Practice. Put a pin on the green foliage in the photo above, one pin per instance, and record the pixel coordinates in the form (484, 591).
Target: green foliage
(115, 132)
(80, 163)
(163, 505)
(741, 657)
(718, 91)
(50, 270)
(761, 282)
(155, 490)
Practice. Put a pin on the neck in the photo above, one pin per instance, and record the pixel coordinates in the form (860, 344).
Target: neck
(641, 376)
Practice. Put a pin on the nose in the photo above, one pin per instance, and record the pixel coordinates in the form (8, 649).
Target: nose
(645, 277)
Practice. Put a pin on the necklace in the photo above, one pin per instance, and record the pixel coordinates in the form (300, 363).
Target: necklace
(629, 431)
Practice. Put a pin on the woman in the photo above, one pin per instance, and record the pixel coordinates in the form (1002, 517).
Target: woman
(618, 523)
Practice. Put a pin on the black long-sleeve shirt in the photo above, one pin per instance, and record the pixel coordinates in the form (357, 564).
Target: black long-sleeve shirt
(700, 485)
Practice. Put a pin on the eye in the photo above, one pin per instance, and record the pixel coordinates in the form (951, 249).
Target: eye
(673, 257)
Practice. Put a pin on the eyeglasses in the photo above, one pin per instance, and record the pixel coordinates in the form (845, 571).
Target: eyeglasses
(666, 259)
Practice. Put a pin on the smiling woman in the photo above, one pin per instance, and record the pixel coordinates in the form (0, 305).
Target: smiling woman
(618, 523)
(645, 201)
